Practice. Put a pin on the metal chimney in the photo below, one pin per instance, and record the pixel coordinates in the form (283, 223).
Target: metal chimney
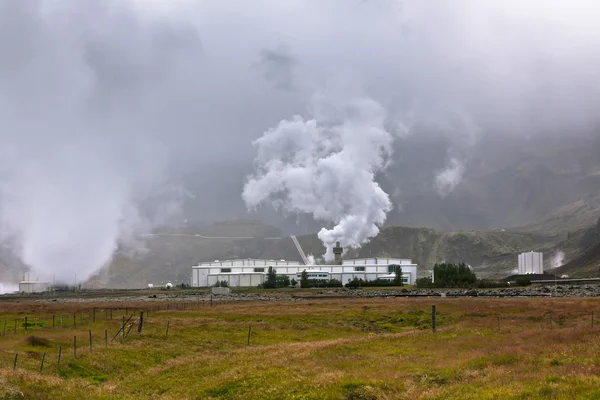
(337, 254)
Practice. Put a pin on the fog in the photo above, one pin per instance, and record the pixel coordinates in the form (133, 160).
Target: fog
(116, 112)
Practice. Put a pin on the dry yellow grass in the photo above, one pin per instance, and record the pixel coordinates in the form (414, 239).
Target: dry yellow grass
(319, 349)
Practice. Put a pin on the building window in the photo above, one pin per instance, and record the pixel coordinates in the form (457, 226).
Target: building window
(225, 270)
(359, 269)
(259, 270)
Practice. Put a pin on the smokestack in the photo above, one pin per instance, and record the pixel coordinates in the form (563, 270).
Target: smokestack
(337, 254)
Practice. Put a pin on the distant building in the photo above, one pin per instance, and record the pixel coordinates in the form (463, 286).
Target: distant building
(531, 263)
(33, 286)
(253, 272)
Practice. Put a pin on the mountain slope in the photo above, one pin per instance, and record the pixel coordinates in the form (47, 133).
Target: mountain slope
(170, 257)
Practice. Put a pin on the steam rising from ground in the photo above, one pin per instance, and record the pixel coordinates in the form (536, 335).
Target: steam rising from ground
(326, 166)
(558, 259)
(79, 153)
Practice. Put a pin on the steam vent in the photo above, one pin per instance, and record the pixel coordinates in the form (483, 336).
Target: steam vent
(337, 254)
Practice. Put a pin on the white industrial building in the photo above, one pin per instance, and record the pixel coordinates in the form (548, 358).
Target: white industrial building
(33, 286)
(531, 263)
(254, 272)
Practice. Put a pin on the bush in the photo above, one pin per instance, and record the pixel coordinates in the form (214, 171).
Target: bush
(304, 280)
(523, 282)
(37, 341)
(424, 282)
(359, 282)
(324, 284)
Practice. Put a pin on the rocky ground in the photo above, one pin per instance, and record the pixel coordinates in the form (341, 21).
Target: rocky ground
(585, 290)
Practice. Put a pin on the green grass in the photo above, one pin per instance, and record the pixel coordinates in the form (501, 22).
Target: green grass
(318, 349)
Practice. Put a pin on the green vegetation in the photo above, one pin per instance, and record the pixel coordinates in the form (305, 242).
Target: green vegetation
(321, 349)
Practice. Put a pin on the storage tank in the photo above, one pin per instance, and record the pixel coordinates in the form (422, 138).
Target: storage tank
(531, 263)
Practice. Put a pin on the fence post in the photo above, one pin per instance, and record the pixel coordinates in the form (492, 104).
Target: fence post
(168, 322)
(74, 320)
(42, 364)
(123, 326)
(59, 354)
(90, 331)
(75, 346)
(15, 364)
(433, 318)
(106, 338)
(249, 329)
(141, 324)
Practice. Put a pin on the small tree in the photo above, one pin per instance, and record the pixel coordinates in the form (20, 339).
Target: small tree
(304, 279)
(224, 284)
(271, 281)
(293, 282)
(398, 278)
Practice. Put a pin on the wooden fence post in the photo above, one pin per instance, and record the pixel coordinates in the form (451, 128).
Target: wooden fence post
(168, 322)
(90, 331)
(106, 338)
(42, 364)
(15, 364)
(141, 324)
(433, 318)
(75, 346)
(59, 354)
(249, 329)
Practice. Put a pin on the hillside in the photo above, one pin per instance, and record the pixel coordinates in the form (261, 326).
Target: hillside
(169, 257)
(586, 261)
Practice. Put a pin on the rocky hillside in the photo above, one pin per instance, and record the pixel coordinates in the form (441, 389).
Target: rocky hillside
(169, 256)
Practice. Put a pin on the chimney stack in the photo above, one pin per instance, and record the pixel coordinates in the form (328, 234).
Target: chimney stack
(337, 254)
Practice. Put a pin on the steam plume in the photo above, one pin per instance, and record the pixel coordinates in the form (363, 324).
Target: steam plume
(447, 179)
(79, 151)
(558, 259)
(326, 166)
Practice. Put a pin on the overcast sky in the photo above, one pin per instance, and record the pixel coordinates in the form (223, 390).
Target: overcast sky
(100, 101)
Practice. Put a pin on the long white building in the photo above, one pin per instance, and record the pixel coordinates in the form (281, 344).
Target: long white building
(251, 272)
(531, 263)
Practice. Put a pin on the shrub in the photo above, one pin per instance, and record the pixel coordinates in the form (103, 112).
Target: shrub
(37, 341)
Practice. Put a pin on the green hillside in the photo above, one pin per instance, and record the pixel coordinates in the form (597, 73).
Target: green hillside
(170, 257)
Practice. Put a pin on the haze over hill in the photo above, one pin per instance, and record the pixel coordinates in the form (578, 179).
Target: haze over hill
(121, 117)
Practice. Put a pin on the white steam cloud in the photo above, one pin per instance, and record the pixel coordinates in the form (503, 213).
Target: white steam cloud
(79, 150)
(558, 259)
(448, 178)
(326, 166)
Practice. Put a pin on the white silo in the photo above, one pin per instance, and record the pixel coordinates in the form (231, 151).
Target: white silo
(531, 263)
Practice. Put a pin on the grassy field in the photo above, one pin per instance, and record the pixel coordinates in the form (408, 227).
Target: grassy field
(311, 349)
